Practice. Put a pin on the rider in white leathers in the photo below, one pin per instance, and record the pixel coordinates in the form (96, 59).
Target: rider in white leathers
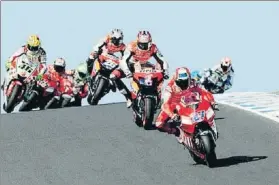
(226, 71)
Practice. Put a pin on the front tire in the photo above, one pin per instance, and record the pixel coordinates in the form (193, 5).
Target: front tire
(27, 105)
(209, 149)
(99, 92)
(12, 100)
(148, 114)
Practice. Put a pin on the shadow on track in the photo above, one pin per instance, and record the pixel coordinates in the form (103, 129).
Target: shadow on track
(234, 160)
(219, 118)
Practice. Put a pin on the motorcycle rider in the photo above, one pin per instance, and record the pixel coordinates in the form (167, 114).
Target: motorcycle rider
(34, 52)
(79, 77)
(226, 71)
(112, 44)
(141, 50)
(180, 81)
(57, 69)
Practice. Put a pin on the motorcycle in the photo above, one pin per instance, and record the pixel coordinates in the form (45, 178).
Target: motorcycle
(39, 93)
(146, 79)
(73, 97)
(198, 131)
(213, 81)
(64, 96)
(21, 74)
(100, 83)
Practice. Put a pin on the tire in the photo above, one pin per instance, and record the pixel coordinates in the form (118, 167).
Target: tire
(196, 158)
(27, 105)
(50, 104)
(66, 102)
(209, 149)
(148, 114)
(99, 92)
(12, 100)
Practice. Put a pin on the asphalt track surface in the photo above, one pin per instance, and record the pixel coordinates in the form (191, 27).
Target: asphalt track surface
(101, 145)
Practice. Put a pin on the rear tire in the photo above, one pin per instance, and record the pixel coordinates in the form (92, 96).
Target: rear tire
(209, 149)
(12, 100)
(148, 114)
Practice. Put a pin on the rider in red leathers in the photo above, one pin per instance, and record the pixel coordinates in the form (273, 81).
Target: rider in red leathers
(181, 81)
(57, 71)
(112, 43)
(142, 50)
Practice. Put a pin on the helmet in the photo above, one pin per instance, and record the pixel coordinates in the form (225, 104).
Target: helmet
(226, 64)
(116, 37)
(81, 71)
(59, 65)
(144, 40)
(182, 77)
(33, 44)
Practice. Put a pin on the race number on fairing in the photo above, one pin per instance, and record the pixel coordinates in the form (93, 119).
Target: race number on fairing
(109, 64)
(198, 116)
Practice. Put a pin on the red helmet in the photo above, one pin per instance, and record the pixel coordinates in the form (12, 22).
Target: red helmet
(182, 77)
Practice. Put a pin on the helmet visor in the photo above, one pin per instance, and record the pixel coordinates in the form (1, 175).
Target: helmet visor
(59, 69)
(32, 48)
(82, 75)
(183, 84)
(143, 46)
(116, 41)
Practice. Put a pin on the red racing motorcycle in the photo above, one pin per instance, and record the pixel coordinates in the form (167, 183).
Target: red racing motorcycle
(198, 128)
(146, 80)
(15, 84)
(39, 93)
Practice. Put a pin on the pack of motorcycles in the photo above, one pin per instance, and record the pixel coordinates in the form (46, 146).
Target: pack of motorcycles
(199, 131)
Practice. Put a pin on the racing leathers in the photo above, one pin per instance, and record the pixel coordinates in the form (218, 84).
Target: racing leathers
(226, 77)
(172, 97)
(79, 77)
(40, 57)
(134, 54)
(58, 77)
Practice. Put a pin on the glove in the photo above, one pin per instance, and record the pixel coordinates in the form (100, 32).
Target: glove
(175, 118)
(8, 65)
(39, 77)
(128, 74)
(166, 75)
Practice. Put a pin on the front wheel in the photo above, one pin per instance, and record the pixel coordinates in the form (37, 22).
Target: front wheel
(148, 113)
(12, 100)
(28, 105)
(209, 149)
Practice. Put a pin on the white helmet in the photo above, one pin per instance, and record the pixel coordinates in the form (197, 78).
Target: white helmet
(59, 65)
(116, 37)
(226, 64)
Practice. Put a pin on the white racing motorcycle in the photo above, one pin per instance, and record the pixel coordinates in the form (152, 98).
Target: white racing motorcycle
(15, 83)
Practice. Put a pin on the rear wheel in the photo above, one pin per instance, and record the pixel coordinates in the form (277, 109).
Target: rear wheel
(209, 149)
(12, 100)
(148, 113)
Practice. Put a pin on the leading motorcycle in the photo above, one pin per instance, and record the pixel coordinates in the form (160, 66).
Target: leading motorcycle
(198, 131)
